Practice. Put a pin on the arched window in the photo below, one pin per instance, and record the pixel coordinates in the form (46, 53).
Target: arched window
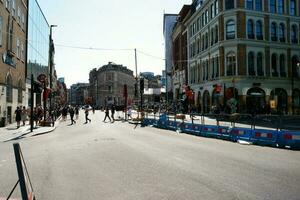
(282, 65)
(259, 61)
(258, 5)
(259, 31)
(206, 40)
(294, 33)
(229, 4)
(274, 65)
(231, 64)
(9, 89)
(251, 70)
(230, 30)
(273, 6)
(250, 27)
(249, 4)
(281, 32)
(274, 31)
(20, 92)
(292, 7)
(295, 68)
(296, 95)
(281, 6)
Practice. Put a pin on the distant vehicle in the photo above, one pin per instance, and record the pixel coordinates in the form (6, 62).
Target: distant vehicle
(87, 107)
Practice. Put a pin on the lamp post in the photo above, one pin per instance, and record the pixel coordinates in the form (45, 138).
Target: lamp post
(293, 83)
(51, 49)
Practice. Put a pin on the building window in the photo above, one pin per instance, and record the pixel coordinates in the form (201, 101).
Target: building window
(281, 32)
(259, 61)
(230, 30)
(259, 31)
(229, 4)
(212, 10)
(274, 65)
(206, 40)
(251, 70)
(294, 33)
(22, 52)
(231, 64)
(282, 65)
(216, 7)
(250, 27)
(7, 4)
(20, 92)
(206, 16)
(1, 30)
(18, 48)
(217, 67)
(13, 4)
(292, 7)
(258, 5)
(19, 15)
(274, 31)
(9, 89)
(216, 34)
(273, 6)
(212, 37)
(249, 4)
(281, 6)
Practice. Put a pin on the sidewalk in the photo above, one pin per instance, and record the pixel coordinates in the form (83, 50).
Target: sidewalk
(10, 132)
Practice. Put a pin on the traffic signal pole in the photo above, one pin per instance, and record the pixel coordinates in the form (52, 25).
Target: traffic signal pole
(31, 104)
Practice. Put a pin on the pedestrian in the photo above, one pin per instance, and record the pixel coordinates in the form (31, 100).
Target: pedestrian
(113, 109)
(77, 112)
(87, 115)
(24, 115)
(93, 109)
(106, 114)
(18, 113)
(129, 113)
(72, 112)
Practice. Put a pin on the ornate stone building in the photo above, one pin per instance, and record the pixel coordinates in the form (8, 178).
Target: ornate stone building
(245, 50)
(107, 84)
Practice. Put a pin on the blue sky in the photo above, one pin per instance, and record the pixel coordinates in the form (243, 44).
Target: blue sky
(113, 24)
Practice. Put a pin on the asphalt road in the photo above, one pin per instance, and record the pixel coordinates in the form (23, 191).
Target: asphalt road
(115, 161)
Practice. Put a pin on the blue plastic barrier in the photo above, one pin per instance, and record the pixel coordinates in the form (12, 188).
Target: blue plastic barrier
(289, 138)
(172, 125)
(209, 131)
(264, 137)
(197, 129)
(188, 128)
(223, 132)
(238, 133)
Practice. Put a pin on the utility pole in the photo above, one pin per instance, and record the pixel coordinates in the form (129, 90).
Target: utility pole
(31, 103)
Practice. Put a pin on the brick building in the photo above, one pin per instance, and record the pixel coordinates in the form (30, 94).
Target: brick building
(13, 27)
(107, 84)
(245, 51)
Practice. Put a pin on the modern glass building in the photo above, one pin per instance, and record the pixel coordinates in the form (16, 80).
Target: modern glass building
(38, 42)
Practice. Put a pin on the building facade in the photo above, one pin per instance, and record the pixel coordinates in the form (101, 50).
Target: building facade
(107, 85)
(180, 58)
(79, 93)
(38, 49)
(168, 25)
(244, 55)
(13, 27)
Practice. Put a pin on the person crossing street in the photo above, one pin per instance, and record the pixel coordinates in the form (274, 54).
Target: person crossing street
(106, 114)
(87, 115)
(72, 112)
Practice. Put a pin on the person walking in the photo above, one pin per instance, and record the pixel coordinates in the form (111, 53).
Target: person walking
(106, 114)
(87, 115)
(18, 113)
(113, 110)
(72, 112)
(77, 112)
(24, 115)
(129, 113)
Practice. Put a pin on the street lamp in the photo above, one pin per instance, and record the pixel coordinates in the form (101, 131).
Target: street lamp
(51, 49)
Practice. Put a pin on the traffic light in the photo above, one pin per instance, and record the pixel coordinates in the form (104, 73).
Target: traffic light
(141, 85)
(37, 88)
(135, 90)
(125, 93)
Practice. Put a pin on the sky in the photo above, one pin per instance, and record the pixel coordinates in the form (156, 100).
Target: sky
(107, 24)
